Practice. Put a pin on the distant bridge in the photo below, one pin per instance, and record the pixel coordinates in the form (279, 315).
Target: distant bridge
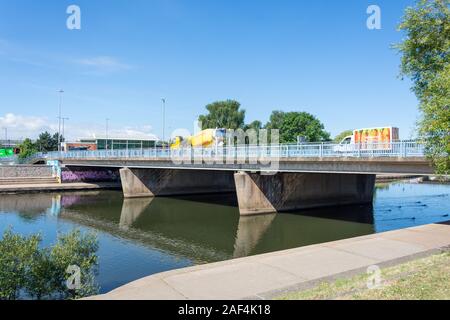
(266, 178)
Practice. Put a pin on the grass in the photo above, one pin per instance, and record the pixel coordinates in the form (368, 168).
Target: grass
(422, 279)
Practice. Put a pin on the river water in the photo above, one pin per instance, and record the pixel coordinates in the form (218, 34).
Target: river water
(139, 237)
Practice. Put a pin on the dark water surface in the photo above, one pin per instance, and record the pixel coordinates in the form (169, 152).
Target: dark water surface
(139, 237)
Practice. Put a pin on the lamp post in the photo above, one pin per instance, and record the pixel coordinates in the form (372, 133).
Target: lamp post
(164, 121)
(59, 119)
(106, 141)
(63, 134)
(6, 135)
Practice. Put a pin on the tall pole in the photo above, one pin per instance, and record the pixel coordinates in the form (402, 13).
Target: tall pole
(164, 121)
(6, 136)
(63, 133)
(59, 119)
(106, 142)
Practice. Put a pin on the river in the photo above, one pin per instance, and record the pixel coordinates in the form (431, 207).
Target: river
(139, 237)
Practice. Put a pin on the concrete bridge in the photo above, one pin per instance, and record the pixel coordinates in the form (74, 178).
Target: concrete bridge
(265, 178)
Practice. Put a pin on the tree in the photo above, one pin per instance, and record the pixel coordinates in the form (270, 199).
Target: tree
(425, 59)
(255, 125)
(16, 257)
(223, 114)
(342, 135)
(297, 124)
(435, 123)
(46, 142)
(27, 149)
(29, 271)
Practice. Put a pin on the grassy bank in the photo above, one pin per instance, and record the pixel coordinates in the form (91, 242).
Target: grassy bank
(423, 279)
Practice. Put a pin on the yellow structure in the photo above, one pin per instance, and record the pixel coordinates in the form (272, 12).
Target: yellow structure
(204, 139)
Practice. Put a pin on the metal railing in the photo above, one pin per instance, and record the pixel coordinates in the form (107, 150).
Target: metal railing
(401, 149)
(9, 160)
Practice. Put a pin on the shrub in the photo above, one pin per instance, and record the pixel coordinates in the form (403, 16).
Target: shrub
(28, 271)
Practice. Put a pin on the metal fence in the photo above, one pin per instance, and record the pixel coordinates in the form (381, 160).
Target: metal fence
(318, 150)
(9, 160)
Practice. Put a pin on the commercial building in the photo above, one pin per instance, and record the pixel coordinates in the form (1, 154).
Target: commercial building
(120, 143)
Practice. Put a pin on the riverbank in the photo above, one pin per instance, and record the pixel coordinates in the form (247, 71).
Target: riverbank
(53, 187)
(275, 274)
(422, 279)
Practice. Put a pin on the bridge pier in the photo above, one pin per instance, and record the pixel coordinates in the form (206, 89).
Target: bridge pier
(145, 182)
(285, 191)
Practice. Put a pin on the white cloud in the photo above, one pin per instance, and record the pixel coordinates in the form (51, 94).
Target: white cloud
(20, 127)
(138, 132)
(24, 126)
(103, 64)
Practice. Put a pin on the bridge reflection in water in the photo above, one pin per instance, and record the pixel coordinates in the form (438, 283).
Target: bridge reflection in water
(209, 228)
(139, 237)
(199, 228)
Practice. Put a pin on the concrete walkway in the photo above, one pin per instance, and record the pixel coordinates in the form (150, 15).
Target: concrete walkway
(269, 275)
(50, 187)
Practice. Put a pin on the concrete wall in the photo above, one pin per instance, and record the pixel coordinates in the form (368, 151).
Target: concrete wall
(256, 193)
(86, 174)
(290, 191)
(22, 171)
(168, 182)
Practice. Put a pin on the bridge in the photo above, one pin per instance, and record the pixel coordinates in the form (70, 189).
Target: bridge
(265, 178)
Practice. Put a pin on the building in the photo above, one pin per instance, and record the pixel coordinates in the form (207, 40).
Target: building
(120, 143)
(78, 146)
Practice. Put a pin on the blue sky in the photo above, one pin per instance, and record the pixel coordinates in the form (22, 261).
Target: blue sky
(314, 56)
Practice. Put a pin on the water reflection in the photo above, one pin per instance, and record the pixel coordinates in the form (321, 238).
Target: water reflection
(205, 228)
(199, 228)
(139, 237)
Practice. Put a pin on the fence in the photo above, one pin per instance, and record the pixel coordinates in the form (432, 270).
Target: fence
(318, 150)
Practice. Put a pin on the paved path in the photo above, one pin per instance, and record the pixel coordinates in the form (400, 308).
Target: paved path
(47, 187)
(269, 275)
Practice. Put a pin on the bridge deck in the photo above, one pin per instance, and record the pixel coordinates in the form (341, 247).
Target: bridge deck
(404, 157)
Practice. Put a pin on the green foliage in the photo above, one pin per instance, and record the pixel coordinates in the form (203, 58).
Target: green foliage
(17, 254)
(435, 122)
(255, 125)
(425, 50)
(227, 114)
(223, 114)
(46, 142)
(28, 271)
(342, 135)
(295, 124)
(27, 149)
(425, 59)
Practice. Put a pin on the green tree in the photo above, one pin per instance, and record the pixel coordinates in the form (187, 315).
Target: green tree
(425, 59)
(29, 271)
(297, 124)
(342, 135)
(435, 123)
(27, 149)
(16, 258)
(223, 114)
(76, 249)
(47, 142)
(255, 125)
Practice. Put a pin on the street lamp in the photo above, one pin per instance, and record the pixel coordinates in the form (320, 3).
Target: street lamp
(6, 135)
(164, 121)
(63, 134)
(59, 119)
(106, 141)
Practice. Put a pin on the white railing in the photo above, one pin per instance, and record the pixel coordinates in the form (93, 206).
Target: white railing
(9, 160)
(401, 149)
